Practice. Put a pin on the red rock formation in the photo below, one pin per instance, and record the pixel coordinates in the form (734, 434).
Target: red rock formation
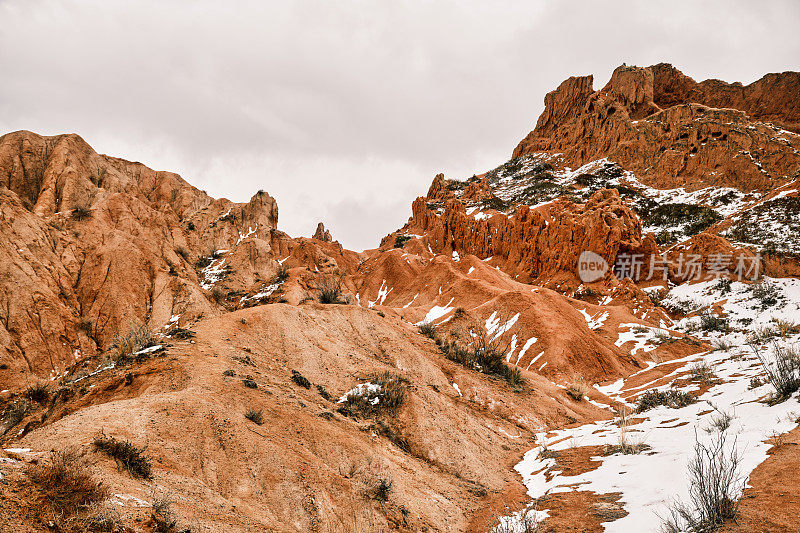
(539, 245)
(92, 245)
(774, 98)
(684, 144)
(322, 234)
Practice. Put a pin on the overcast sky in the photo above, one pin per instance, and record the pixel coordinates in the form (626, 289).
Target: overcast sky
(344, 111)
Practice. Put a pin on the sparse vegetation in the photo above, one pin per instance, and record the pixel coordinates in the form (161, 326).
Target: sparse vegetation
(381, 490)
(66, 482)
(692, 219)
(715, 485)
(709, 322)
(37, 393)
(766, 293)
(281, 275)
(722, 345)
(81, 212)
(526, 521)
(203, 261)
(85, 325)
(183, 253)
(255, 415)
(229, 373)
(126, 346)
(164, 518)
(484, 355)
(298, 378)
(721, 420)
(400, 240)
(577, 390)
(702, 372)
(428, 329)
(626, 446)
(249, 382)
(672, 398)
(14, 413)
(384, 394)
(126, 454)
(782, 371)
(330, 289)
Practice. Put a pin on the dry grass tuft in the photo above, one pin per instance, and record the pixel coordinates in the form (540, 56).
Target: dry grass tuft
(126, 454)
(66, 482)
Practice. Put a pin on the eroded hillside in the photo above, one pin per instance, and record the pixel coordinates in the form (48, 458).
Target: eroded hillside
(465, 375)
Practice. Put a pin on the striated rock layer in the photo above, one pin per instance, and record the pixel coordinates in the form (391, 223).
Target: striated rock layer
(672, 131)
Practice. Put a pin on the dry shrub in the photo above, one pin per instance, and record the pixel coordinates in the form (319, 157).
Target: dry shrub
(577, 389)
(386, 398)
(126, 454)
(715, 485)
(330, 289)
(673, 398)
(37, 393)
(135, 340)
(66, 482)
(255, 415)
(428, 329)
(782, 370)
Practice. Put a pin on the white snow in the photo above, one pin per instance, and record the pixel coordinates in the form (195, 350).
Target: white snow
(436, 313)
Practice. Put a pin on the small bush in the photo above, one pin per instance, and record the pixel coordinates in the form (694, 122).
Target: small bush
(381, 489)
(300, 380)
(249, 383)
(37, 393)
(715, 485)
(230, 373)
(281, 275)
(126, 454)
(721, 421)
(400, 240)
(786, 328)
(85, 325)
(330, 290)
(577, 390)
(782, 371)
(81, 213)
(761, 335)
(164, 517)
(702, 372)
(66, 482)
(673, 398)
(136, 340)
(709, 322)
(428, 329)
(255, 416)
(386, 395)
(202, 262)
(722, 345)
(484, 355)
(182, 252)
(14, 413)
(217, 295)
(766, 293)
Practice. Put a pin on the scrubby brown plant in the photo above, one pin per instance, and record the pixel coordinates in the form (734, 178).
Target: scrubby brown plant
(38, 393)
(126, 454)
(81, 212)
(255, 415)
(126, 346)
(66, 482)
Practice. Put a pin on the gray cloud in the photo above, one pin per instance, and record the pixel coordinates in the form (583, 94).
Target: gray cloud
(344, 111)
